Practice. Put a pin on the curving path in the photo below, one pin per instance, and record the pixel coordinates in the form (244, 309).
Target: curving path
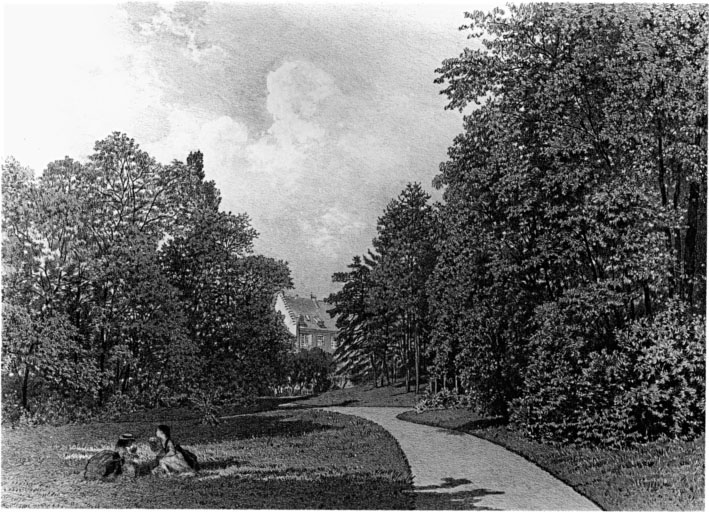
(457, 470)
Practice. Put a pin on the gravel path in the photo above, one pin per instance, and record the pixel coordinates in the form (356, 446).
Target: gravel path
(457, 470)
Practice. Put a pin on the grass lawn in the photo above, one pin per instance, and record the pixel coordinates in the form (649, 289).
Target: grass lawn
(296, 459)
(364, 396)
(657, 476)
(169, 414)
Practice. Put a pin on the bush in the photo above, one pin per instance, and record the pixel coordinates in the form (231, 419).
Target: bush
(117, 405)
(50, 410)
(668, 360)
(643, 383)
(444, 399)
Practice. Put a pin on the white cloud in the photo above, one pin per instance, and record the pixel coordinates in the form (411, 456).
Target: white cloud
(221, 139)
(169, 22)
(309, 120)
(331, 232)
(296, 92)
(279, 160)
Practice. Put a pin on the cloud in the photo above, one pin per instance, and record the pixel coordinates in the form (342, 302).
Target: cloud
(310, 118)
(219, 138)
(181, 25)
(330, 232)
(312, 182)
(72, 78)
(296, 92)
(281, 158)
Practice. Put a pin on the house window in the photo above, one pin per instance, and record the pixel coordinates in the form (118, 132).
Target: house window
(321, 340)
(333, 343)
(310, 340)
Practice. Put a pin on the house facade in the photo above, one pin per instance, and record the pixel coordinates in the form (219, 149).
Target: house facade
(308, 321)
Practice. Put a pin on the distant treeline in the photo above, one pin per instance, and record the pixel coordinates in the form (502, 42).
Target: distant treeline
(561, 282)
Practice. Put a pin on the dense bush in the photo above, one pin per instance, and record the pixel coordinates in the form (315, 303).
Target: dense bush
(646, 384)
(312, 369)
(667, 359)
(444, 399)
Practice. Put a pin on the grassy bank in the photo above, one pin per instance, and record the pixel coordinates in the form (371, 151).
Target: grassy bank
(296, 459)
(364, 396)
(665, 475)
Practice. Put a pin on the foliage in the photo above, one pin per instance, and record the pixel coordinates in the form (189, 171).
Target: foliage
(573, 211)
(355, 319)
(311, 368)
(40, 357)
(444, 399)
(667, 392)
(650, 385)
(382, 309)
(123, 285)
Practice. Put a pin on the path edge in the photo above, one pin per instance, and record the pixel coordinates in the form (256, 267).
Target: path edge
(408, 464)
(459, 429)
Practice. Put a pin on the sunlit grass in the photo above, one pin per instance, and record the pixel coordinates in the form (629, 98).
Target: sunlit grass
(280, 459)
(365, 395)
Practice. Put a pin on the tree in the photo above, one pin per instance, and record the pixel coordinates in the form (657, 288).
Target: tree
(578, 183)
(121, 278)
(406, 245)
(40, 357)
(310, 368)
(227, 293)
(359, 339)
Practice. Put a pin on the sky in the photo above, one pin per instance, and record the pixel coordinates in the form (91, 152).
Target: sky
(311, 117)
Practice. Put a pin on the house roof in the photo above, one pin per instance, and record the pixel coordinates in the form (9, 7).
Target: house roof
(310, 313)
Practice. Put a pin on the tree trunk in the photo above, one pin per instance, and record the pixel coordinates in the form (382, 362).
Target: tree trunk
(648, 300)
(406, 359)
(102, 363)
(25, 385)
(126, 377)
(386, 369)
(663, 198)
(417, 347)
(374, 368)
(690, 241)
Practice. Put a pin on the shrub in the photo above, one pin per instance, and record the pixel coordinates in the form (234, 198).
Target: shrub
(668, 359)
(643, 383)
(444, 399)
(49, 409)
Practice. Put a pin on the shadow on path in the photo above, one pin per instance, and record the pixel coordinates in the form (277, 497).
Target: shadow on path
(448, 483)
(463, 500)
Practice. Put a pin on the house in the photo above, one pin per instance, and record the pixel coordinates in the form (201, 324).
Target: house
(308, 320)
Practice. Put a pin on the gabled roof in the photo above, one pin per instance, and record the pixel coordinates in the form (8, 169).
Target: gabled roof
(310, 313)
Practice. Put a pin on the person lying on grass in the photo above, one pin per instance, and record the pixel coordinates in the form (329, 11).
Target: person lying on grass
(107, 465)
(172, 458)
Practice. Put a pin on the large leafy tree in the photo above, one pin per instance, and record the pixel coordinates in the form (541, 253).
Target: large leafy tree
(122, 277)
(227, 293)
(576, 192)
